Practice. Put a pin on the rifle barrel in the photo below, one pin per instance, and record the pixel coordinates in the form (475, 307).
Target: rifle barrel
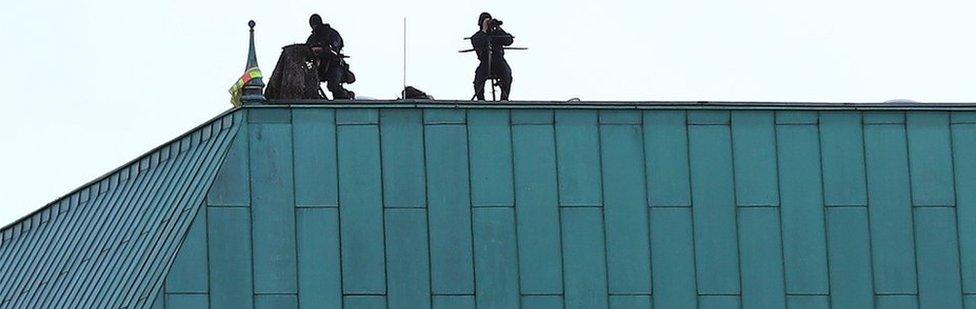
(496, 36)
(505, 48)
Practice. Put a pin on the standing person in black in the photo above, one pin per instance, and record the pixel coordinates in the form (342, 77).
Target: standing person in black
(491, 36)
(326, 45)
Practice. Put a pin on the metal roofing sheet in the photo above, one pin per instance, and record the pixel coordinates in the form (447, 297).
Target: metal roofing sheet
(501, 206)
(110, 243)
(759, 200)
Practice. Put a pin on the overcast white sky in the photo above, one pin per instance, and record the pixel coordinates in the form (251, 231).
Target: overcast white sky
(89, 85)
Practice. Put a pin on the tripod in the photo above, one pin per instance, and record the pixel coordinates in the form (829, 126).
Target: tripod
(495, 80)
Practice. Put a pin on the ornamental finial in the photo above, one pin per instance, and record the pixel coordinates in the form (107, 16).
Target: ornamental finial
(254, 89)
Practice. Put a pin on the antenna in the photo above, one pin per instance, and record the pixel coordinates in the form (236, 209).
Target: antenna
(404, 85)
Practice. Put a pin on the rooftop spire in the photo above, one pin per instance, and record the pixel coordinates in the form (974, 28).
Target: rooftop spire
(254, 88)
(252, 58)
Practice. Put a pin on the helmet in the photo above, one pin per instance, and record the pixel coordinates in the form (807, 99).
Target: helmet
(482, 17)
(314, 20)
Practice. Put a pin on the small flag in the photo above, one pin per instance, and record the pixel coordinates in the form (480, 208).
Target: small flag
(235, 90)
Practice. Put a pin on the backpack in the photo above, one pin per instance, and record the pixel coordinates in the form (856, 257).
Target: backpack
(413, 93)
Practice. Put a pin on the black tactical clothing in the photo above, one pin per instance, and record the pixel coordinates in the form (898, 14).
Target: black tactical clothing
(332, 68)
(495, 40)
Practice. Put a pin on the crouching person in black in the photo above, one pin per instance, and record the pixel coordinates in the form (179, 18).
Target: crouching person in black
(326, 45)
(489, 43)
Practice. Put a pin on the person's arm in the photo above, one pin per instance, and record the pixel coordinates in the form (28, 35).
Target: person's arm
(501, 37)
(311, 39)
(314, 43)
(478, 41)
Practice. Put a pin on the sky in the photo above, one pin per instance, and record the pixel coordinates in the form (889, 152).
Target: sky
(90, 85)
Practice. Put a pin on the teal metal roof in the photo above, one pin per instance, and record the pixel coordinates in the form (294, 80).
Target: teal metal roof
(590, 205)
(450, 204)
(108, 244)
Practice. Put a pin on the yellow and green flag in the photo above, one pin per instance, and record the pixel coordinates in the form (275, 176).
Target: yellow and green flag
(238, 87)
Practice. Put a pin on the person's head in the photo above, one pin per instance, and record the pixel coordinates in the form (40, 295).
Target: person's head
(482, 17)
(315, 20)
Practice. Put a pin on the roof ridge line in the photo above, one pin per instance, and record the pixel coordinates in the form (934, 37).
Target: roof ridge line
(574, 104)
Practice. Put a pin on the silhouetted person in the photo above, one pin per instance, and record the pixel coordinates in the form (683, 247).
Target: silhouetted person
(326, 45)
(489, 43)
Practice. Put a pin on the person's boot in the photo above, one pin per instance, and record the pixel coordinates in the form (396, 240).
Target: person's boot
(338, 92)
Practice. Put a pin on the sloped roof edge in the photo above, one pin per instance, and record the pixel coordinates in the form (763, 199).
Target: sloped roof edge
(105, 177)
(84, 248)
(732, 105)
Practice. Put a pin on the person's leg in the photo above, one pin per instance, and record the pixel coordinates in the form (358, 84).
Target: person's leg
(504, 74)
(322, 70)
(334, 82)
(480, 76)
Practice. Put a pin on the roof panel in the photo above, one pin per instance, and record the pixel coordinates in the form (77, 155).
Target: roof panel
(128, 222)
(116, 246)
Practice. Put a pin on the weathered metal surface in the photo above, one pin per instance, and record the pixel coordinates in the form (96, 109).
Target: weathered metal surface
(109, 244)
(426, 204)
(541, 206)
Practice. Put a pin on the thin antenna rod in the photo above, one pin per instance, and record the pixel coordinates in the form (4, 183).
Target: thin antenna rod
(404, 86)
